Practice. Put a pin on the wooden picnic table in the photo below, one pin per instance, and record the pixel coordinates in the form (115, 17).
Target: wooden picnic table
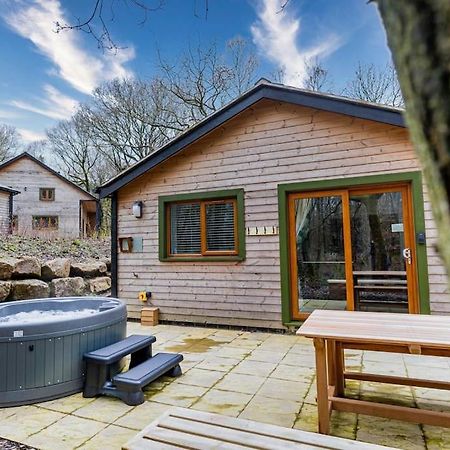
(334, 331)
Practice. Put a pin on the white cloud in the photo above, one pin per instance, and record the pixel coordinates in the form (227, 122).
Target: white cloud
(54, 104)
(7, 114)
(29, 136)
(276, 34)
(35, 20)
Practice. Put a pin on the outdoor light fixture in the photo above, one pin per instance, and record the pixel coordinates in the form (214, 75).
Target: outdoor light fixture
(137, 209)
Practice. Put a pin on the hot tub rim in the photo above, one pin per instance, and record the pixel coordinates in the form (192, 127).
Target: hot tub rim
(63, 326)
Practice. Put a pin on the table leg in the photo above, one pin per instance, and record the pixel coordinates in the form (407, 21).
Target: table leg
(339, 367)
(331, 355)
(322, 385)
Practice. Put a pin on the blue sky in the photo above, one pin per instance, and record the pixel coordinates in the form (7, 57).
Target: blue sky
(43, 75)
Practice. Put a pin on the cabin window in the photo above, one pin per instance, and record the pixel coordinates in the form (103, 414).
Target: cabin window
(45, 222)
(196, 228)
(203, 228)
(47, 194)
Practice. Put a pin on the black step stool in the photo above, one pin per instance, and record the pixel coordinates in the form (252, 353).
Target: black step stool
(130, 383)
(103, 366)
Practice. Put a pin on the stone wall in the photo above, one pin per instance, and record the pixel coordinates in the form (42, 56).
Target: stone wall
(26, 278)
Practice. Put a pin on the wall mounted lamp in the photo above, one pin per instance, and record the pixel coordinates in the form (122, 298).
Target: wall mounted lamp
(137, 209)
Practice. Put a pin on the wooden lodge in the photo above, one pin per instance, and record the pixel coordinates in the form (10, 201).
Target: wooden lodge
(282, 202)
(47, 204)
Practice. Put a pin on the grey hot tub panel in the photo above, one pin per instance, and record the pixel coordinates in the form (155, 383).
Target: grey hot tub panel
(46, 362)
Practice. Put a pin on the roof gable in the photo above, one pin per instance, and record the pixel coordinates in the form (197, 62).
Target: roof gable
(45, 167)
(264, 90)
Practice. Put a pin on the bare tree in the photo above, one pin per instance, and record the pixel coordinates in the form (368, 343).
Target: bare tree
(77, 154)
(203, 80)
(9, 141)
(38, 149)
(197, 83)
(374, 84)
(244, 65)
(98, 20)
(418, 35)
(318, 77)
(129, 119)
(102, 13)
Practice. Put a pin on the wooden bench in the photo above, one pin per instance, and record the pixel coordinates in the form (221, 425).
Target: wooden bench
(190, 429)
(103, 367)
(381, 281)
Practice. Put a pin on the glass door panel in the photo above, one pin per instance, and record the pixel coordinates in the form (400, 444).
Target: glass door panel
(352, 249)
(318, 231)
(379, 249)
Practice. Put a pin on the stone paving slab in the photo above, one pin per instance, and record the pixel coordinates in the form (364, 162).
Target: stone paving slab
(265, 377)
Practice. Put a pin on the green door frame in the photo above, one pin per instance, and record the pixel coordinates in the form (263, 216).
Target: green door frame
(415, 178)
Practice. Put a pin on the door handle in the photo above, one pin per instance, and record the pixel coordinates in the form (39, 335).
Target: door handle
(407, 255)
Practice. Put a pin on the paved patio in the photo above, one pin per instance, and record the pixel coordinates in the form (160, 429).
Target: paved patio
(260, 376)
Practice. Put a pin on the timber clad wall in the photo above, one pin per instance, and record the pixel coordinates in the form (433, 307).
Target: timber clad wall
(27, 177)
(4, 212)
(269, 144)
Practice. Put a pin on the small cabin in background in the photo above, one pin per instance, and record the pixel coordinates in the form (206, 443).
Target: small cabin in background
(6, 209)
(47, 204)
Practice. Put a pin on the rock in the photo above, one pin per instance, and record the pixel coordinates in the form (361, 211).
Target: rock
(89, 269)
(67, 287)
(27, 268)
(27, 289)
(5, 289)
(7, 268)
(56, 268)
(98, 285)
(107, 261)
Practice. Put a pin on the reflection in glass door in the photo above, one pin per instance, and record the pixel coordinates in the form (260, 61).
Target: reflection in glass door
(379, 249)
(352, 249)
(317, 226)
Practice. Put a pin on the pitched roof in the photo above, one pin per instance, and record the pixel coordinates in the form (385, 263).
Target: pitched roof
(262, 90)
(44, 166)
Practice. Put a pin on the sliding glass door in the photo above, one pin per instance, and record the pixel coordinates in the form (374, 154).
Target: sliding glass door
(352, 249)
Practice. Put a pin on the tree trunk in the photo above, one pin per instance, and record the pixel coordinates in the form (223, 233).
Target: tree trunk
(418, 34)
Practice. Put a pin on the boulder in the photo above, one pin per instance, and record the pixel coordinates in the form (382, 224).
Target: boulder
(89, 269)
(107, 261)
(27, 289)
(5, 289)
(7, 268)
(67, 287)
(28, 267)
(98, 285)
(56, 268)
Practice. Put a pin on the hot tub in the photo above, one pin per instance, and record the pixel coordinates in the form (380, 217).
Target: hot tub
(42, 343)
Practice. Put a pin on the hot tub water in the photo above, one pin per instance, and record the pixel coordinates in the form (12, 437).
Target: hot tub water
(38, 315)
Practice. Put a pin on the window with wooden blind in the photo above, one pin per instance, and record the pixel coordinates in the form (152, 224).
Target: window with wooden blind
(202, 226)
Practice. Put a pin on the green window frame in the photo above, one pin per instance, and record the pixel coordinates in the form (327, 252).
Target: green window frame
(237, 195)
(415, 178)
